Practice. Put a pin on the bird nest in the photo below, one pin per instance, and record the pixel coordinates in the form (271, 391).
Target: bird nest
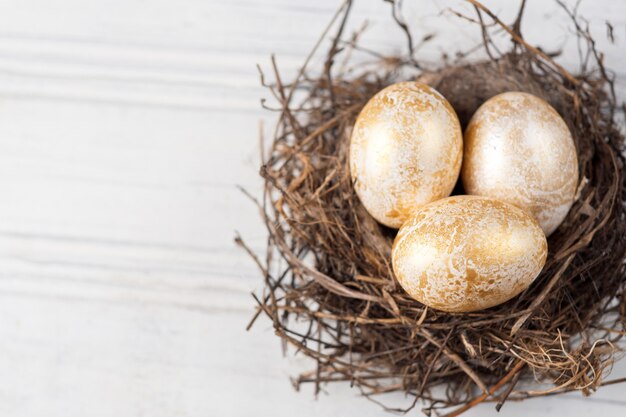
(329, 289)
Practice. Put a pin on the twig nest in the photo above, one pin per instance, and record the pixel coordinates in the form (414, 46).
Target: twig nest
(467, 253)
(405, 151)
(518, 149)
(330, 290)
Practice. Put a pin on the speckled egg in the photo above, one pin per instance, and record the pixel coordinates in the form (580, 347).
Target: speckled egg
(405, 151)
(518, 149)
(467, 253)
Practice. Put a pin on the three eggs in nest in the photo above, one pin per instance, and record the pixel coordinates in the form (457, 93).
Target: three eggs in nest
(518, 165)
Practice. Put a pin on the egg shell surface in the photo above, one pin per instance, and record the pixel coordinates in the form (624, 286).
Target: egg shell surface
(405, 151)
(467, 253)
(518, 149)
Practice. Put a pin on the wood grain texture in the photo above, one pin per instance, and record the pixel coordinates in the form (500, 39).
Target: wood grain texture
(124, 127)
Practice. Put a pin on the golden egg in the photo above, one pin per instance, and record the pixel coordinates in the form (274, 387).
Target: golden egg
(519, 150)
(467, 253)
(405, 151)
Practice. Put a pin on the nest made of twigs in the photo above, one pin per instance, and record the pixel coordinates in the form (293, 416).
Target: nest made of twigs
(329, 287)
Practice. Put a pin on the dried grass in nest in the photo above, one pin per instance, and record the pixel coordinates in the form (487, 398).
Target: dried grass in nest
(329, 287)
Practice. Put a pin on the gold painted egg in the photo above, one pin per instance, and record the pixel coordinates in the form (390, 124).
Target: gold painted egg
(405, 151)
(518, 149)
(467, 253)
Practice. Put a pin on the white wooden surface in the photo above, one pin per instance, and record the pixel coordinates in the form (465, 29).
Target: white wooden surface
(124, 127)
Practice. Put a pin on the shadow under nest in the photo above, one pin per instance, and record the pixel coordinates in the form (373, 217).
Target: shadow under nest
(329, 288)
